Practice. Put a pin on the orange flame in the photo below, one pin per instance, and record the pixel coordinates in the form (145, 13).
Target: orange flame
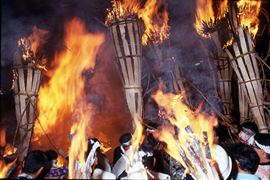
(8, 150)
(79, 141)
(181, 116)
(155, 21)
(4, 168)
(57, 98)
(204, 12)
(222, 8)
(3, 137)
(248, 15)
(15, 76)
(138, 135)
(62, 99)
(31, 45)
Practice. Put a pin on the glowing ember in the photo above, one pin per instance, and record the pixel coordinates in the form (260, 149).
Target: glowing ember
(154, 15)
(248, 15)
(30, 47)
(182, 117)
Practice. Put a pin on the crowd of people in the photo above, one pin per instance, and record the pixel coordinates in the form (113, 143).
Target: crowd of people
(246, 156)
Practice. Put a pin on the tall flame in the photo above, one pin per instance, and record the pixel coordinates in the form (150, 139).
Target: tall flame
(248, 15)
(154, 15)
(57, 98)
(79, 141)
(181, 116)
(138, 136)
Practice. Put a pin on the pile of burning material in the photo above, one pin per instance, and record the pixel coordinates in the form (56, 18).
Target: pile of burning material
(125, 22)
(126, 36)
(27, 69)
(244, 62)
(192, 144)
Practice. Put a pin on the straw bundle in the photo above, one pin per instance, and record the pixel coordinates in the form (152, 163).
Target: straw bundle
(224, 75)
(243, 105)
(246, 68)
(26, 87)
(126, 35)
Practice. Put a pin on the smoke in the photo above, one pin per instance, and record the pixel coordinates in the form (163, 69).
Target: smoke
(185, 47)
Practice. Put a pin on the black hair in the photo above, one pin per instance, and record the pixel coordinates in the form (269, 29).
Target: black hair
(51, 154)
(151, 140)
(263, 139)
(90, 146)
(125, 138)
(153, 125)
(251, 125)
(34, 161)
(246, 156)
(147, 160)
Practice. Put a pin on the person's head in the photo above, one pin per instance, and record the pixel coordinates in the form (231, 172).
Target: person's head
(261, 145)
(34, 163)
(146, 152)
(246, 158)
(52, 159)
(250, 128)
(125, 140)
(151, 127)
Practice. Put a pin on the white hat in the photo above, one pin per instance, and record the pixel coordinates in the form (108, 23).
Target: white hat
(224, 162)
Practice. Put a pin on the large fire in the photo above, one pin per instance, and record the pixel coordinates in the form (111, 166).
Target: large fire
(57, 98)
(248, 15)
(182, 117)
(154, 15)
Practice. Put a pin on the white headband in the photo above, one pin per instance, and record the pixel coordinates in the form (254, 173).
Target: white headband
(150, 130)
(263, 147)
(148, 154)
(251, 140)
(248, 130)
(126, 143)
